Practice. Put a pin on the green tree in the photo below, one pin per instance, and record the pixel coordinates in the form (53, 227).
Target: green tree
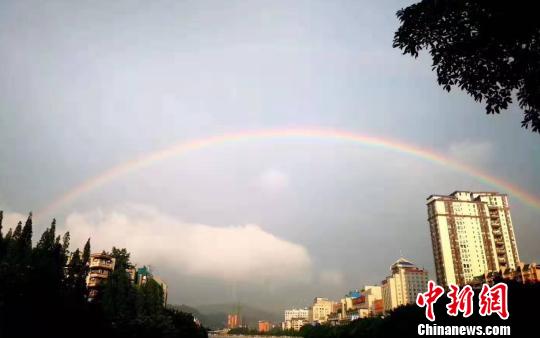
(149, 298)
(119, 295)
(489, 48)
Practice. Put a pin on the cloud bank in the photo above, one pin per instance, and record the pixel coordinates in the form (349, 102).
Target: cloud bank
(233, 253)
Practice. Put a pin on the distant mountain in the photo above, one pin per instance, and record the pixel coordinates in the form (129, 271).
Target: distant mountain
(210, 320)
(214, 316)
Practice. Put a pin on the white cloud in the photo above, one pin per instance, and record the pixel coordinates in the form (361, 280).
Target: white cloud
(11, 219)
(233, 253)
(471, 152)
(273, 180)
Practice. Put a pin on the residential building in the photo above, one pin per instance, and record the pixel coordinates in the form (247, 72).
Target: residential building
(100, 268)
(132, 273)
(368, 306)
(471, 234)
(346, 305)
(294, 324)
(144, 274)
(320, 310)
(264, 326)
(524, 273)
(294, 319)
(378, 306)
(296, 313)
(164, 287)
(403, 285)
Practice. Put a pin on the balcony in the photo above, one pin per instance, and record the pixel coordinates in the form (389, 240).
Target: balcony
(100, 263)
(98, 275)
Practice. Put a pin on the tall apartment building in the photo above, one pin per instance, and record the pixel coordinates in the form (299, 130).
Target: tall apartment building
(471, 234)
(320, 310)
(100, 267)
(403, 286)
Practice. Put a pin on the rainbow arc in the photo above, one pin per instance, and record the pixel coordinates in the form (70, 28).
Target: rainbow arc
(182, 148)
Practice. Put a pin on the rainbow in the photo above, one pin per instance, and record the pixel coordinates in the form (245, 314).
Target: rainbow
(309, 133)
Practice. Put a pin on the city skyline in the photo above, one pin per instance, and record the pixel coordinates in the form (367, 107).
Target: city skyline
(317, 215)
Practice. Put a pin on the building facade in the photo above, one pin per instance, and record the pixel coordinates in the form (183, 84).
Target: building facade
(294, 319)
(525, 273)
(370, 301)
(471, 234)
(294, 324)
(234, 321)
(403, 285)
(296, 313)
(100, 268)
(320, 310)
(143, 275)
(264, 326)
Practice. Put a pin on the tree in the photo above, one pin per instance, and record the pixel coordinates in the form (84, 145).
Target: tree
(1, 235)
(86, 253)
(119, 296)
(47, 238)
(1, 219)
(121, 257)
(489, 48)
(43, 293)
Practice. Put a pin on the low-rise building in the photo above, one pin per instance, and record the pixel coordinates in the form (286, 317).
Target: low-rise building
(294, 319)
(296, 313)
(295, 324)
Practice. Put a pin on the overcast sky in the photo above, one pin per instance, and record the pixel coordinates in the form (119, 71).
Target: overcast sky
(86, 85)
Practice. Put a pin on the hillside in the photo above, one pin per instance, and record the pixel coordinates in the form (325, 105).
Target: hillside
(214, 316)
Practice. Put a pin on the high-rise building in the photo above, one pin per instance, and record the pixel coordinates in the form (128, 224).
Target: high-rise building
(471, 234)
(100, 267)
(404, 285)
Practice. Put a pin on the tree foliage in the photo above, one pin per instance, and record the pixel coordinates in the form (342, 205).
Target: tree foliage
(43, 293)
(489, 48)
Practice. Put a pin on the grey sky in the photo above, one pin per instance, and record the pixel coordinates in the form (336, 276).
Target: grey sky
(85, 85)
